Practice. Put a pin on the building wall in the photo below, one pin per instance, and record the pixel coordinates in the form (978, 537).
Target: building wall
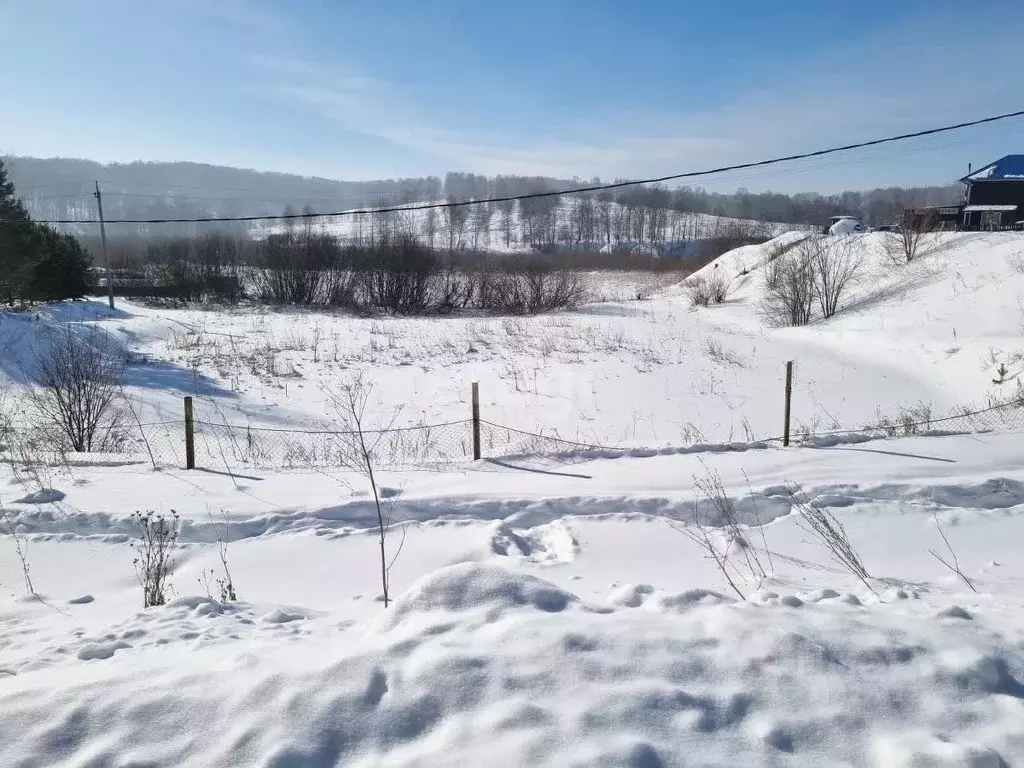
(995, 193)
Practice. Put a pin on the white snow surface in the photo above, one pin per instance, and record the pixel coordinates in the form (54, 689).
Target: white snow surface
(545, 611)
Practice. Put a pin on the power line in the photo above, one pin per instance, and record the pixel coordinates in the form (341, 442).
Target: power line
(559, 193)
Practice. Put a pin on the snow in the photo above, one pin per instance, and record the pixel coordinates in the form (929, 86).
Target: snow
(546, 610)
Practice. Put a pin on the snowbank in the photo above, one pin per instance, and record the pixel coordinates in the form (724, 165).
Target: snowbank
(503, 672)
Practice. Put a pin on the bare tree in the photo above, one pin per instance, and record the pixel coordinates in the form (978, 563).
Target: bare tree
(503, 187)
(904, 245)
(834, 266)
(430, 225)
(358, 454)
(582, 220)
(603, 215)
(790, 288)
(480, 224)
(80, 377)
(454, 218)
(507, 219)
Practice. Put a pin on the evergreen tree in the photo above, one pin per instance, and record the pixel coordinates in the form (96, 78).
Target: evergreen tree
(65, 269)
(20, 243)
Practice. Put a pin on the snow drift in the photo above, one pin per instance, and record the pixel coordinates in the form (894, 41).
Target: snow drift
(503, 672)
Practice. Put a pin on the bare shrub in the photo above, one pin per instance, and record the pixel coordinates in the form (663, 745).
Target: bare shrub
(455, 289)
(818, 521)
(909, 420)
(904, 245)
(398, 275)
(7, 427)
(955, 565)
(20, 548)
(697, 291)
(772, 273)
(834, 267)
(80, 378)
(1002, 398)
(549, 289)
(718, 285)
(358, 453)
(154, 554)
(1015, 261)
(714, 518)
(711, 287)
(224, 583)
(790, 289)
(916, 418)
(713, 490)
(294, 267)
(526, 286)
(723, 355)
(341, 283)
(197, 268)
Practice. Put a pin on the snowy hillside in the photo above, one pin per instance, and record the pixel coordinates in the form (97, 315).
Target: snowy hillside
(667, 605)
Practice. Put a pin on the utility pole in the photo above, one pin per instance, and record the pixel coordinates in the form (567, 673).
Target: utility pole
(103, 240)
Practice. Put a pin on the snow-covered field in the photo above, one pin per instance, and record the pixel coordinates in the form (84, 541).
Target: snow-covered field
(546, 612)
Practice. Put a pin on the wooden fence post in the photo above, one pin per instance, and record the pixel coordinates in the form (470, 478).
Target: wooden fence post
(476, 421)
(789, 402)
(190, 436)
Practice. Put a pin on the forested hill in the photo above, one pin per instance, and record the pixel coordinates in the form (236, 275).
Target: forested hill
(62, 188)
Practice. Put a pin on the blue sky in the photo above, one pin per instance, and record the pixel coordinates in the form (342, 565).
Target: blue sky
(361, 90)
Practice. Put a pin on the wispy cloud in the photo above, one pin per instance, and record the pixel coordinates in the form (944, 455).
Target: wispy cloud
(900, 80)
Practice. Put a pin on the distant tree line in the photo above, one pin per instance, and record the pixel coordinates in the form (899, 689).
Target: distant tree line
(61, 189)
(307, 267)
(37, 263)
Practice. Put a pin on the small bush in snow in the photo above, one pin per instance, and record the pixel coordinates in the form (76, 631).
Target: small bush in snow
(908, 421)
(817, 271)
(904, 245)
(834, 267)
(790, 291)
(154, 550)
(1015, 261)
(709, 288)
(225, 584)
(696, 289)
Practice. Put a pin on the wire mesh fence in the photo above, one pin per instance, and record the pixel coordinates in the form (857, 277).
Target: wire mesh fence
(265, 447)
(230, 447)
(907, 422)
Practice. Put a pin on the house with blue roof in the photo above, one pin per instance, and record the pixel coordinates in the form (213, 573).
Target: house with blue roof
(994, 198)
